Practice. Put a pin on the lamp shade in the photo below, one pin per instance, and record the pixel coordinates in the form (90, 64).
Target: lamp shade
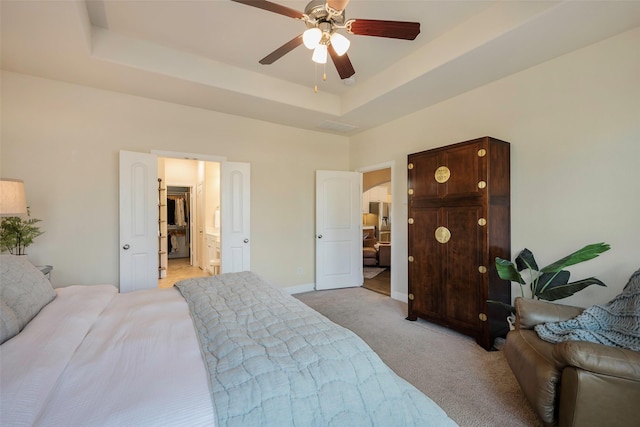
(340, 43)
(311, 38)
(320, 54)
(13, 201)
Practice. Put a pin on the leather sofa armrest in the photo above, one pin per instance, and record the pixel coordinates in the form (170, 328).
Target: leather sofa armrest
(599, 359)
(530, 312)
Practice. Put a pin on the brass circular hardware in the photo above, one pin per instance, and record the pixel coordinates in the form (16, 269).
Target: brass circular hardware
(482, 222)
(410, 258)
(482, 184)
(483, 317)
(411, 297)
(442, 174)
(410, 221)
(442, 234)
(410, 166)
(482, 152)
(410, 191)
(482, 269)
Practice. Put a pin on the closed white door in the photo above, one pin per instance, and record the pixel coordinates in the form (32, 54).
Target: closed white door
(138, 221)
(235, 216)
(338, 229)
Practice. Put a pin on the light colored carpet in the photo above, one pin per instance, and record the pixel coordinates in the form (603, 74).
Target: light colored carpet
(475, 387)
(371, 272)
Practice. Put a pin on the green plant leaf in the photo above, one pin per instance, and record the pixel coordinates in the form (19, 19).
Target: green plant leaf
(525, 260)
(548, 281)
(569, 289)
(581, 255)
(507, 271)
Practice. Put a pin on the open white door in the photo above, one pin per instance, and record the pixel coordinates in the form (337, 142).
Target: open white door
(338, 229)
(138, 221)
(235, 216)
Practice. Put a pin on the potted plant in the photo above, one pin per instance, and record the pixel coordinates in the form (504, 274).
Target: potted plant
(549, 283)
(16, 234)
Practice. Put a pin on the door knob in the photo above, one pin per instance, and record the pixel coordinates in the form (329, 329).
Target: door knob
(126, 247)
(320, 236)
(246, 240)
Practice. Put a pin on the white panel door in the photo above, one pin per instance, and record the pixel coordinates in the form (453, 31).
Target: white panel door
(138, 221)
(338, 229)
(235, 217)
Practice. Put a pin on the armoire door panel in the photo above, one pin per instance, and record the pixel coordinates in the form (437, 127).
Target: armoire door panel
(422, 182)
(464, 255)
(425, 273)
(465, 167)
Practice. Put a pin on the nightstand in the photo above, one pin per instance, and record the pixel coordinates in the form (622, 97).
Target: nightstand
(46, 270)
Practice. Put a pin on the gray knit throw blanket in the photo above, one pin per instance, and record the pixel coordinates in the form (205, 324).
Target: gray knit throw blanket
(616, 324)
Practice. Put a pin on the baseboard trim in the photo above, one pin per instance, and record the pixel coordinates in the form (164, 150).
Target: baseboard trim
(298, 289)
(400, 297)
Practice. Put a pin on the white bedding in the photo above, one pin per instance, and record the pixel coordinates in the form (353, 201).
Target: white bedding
(135, 354)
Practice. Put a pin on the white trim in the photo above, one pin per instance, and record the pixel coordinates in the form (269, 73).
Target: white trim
(400, 297)
(189, 156)
(386, 165)
(298, 289)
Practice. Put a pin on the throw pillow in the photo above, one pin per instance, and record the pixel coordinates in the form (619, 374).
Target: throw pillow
(24, 291)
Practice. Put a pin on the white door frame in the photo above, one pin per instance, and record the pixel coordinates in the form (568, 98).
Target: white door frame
(395, 214)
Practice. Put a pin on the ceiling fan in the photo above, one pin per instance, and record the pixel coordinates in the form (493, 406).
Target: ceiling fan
(323, 19)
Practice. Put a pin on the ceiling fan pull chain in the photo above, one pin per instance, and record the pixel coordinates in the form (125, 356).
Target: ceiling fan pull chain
(315, 77)
(324, 72)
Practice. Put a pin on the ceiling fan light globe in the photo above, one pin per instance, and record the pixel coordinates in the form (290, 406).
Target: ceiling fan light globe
(340, 43)
(311, 38)
(320, 54)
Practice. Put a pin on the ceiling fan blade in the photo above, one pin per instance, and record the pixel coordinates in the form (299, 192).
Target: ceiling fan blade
(282, 51)
(272, 7)
(391, 29)
(338, 5)
(342, 63)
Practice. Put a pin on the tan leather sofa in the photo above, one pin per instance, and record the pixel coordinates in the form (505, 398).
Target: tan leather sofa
(578, 384)
(369, 252)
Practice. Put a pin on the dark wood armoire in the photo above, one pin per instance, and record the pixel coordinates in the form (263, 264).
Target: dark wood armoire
(459, 222)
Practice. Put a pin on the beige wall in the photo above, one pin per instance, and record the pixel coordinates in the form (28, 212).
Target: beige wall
(574, 126)
(63, 141)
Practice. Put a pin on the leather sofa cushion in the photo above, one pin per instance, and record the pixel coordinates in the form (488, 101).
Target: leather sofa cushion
(535, 312)
(605, 360)
(536, 370)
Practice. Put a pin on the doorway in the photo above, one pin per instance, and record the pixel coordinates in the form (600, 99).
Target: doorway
(189, 218)
(376, 229)
(143, 231)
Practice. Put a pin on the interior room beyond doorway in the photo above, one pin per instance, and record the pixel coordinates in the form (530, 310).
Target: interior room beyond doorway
(189, 219)
(376, 230)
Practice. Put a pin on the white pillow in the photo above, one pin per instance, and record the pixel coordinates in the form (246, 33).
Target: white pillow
(24, 291)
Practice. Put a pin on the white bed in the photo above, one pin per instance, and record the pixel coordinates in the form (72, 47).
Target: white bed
(94, 357)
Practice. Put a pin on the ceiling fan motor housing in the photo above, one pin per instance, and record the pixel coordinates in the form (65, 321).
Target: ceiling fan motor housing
(317, 13)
